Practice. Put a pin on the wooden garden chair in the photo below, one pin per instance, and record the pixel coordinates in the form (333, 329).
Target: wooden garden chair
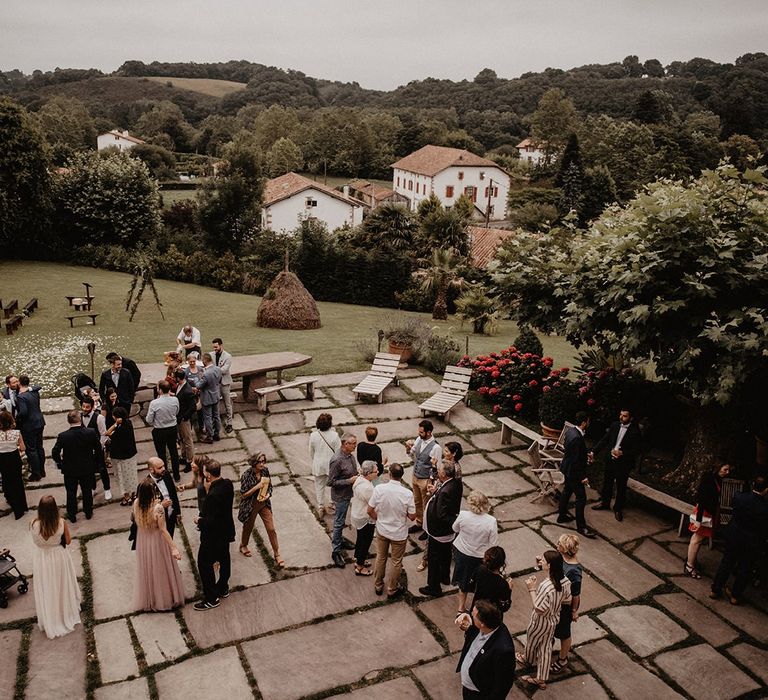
(547, 472)
(383, 373)
(453, 390)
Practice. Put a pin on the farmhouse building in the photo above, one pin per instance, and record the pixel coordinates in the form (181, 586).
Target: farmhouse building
(121, 140)
(291, 199)
(449, 173)
(372, 195)
(483, 244)
(531, 152)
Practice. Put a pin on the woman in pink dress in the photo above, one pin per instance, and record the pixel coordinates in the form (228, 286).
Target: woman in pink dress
(158, 579)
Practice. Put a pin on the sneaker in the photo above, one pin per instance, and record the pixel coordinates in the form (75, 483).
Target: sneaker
(107, 495)
(338, 560)
(423, 536)
(426, 590)
(414, 529)
(225, 594)
(228, 429)
(205, 605)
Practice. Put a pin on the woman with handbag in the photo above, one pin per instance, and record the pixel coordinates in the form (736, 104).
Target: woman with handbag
(255, 492)
(324, 442)
(57, 595)
(706, 516)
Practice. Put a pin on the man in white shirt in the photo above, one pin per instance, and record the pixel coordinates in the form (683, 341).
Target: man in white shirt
(189, 340)
(391, 506)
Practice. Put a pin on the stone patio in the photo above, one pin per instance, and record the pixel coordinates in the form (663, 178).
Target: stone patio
(645, 630)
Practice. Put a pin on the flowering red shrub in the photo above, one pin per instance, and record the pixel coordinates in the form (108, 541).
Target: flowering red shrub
(514, 380)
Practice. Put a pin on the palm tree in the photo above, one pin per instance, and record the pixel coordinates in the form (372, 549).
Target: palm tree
(439, 277)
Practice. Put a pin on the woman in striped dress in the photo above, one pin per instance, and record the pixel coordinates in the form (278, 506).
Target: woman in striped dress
(548, 597)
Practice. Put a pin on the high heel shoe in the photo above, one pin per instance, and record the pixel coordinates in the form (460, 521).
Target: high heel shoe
(691, 571)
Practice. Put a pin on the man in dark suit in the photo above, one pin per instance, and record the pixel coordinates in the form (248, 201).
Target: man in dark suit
(118, 378)
(487, 662)
(187, 409)
(31, 422)
(574, 467)
(217, 530)
(623, 441)
(169, 499)
(78, 454)
(744, 541)
(442, 510)
(130, 365)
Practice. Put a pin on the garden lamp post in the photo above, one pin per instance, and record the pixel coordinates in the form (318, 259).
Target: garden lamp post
(92, 351)
(380, 335)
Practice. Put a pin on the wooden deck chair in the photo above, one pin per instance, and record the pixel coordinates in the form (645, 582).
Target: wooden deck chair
(453, 389)
(556, 449)
(730, 487)
(547, 471)
(383, 373)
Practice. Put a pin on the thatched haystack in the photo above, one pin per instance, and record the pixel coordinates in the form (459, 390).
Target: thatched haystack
(287, 304)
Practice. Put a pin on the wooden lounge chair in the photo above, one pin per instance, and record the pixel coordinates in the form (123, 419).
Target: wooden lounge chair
(547, 471)
(453, 389)
(383, 373)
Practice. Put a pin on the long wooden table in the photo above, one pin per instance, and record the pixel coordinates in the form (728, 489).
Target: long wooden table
(252, 369)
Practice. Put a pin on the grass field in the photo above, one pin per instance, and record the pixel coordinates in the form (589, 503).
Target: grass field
(51, 352)
(170, 197)
(205, 86)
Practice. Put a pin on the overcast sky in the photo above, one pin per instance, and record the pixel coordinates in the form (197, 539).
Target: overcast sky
(378, 44)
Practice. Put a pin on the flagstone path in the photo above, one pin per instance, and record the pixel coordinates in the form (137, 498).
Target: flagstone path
(314, 631)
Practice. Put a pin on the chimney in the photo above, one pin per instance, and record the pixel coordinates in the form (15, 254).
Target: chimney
(345, 190)
(125, 132)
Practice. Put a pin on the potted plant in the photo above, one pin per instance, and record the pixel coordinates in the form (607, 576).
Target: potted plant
(406, 336)
(559, 403)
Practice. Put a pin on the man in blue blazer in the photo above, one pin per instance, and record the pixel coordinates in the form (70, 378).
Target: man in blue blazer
(31, 422)
(574, 467)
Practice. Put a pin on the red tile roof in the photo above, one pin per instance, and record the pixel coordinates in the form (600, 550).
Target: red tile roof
(430, 160)
(125, 135)
(530, 143)
(484, 242)
(287, 185)
(368, 188)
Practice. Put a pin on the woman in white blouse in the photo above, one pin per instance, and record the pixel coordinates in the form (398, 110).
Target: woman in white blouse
(362, 491)
(476, 531)
(324, 442)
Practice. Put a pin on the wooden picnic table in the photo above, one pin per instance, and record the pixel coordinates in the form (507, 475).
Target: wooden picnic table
(252, 369)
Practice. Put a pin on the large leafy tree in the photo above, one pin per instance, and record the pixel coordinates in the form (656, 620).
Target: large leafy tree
(554, 120)
(24, 180)
(680, 277)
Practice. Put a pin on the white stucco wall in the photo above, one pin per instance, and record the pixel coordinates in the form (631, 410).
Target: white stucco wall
(286, 214)
(106, 140)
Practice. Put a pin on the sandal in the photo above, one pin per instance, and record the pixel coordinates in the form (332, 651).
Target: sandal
(279, 562)
(691, 571)
(422, 565)
(530, 680)
(245, 552)
(362, 571)
(521, 658)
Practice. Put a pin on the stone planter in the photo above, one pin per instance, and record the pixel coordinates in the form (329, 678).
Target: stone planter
(548, 432)
(405, 351)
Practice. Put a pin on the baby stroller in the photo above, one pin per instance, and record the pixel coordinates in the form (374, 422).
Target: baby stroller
(84, 385)
(10, 576)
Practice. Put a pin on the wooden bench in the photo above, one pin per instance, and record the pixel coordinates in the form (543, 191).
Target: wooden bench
(80, 303)
(652, 494)
(71, 319)
(509, 426)
(10, 308)
(453, 390)
(13, 325)
(30, 306)
(262, 393)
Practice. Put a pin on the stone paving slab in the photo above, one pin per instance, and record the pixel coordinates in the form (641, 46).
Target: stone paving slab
(401, 688)
(256, 440)
(636, 524)
(389, 410)
(280, 423)
(341, 379)
(281, 604)
(10, 641)
(609, 565)
(246, 571)
(238, 456)
(143, 434)
(498, 484)
(253, 419)
(57, 404)
(701, 620)
(56, 666)
(704, 673)
(398, 430)
(492, 442)
(658, 558)
(707, 561)
(519, 509)
(295, 449)
(441, 680)
(522, 545)
(421, 385)
(583, 687)
(303, 542)
(477, 462)
(114, 649)
(467, 419)
(55, 423)
(137, 689)
(226, 443)
(745, 618)
(395, 453)
(442, 612)
(341, 416)
(504, 460)
(300, 405)
(756, 660)
(356, 637)
(205, 677)
(160, 637)
(20, 606)
(642, 628)
(626, 679)
(115, 576)
(585, 630)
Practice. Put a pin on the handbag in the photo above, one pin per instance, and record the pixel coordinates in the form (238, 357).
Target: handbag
(706, 520)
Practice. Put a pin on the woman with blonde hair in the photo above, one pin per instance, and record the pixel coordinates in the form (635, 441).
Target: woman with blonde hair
(57, 595)
(476, 531)
(568, 546)
(158, 579)
(324, 442)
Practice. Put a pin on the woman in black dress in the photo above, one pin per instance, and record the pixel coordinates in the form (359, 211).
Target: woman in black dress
(11, 447)
(369, 450)
(488, 582)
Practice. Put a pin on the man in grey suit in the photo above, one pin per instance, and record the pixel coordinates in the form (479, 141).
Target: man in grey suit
(209, 388)
(223, 360)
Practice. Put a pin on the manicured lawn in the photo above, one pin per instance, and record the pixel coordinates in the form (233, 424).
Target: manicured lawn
(51, 352)
(205, 86)
(170, 197)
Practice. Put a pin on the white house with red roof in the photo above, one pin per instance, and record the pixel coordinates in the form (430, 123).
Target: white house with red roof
(291, 198)
(449, 173)
(531, 151)
(121, 140)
